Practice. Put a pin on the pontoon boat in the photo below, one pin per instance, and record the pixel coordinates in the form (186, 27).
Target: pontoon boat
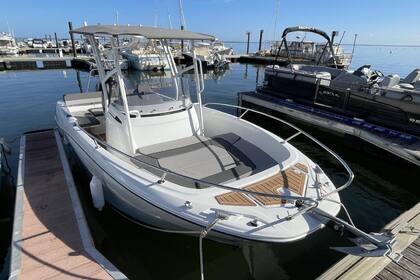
(364, 94)
(167, 162)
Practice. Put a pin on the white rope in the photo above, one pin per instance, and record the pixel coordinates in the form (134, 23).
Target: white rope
(345, 209)
(202, 234)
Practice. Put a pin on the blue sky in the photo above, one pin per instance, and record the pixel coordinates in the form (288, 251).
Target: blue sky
(375, 21)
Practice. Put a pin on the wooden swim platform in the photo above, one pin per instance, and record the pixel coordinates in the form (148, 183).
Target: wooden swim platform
(407, 229)
(51, 239)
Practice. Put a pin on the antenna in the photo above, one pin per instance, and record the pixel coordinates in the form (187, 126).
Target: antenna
(116, 17)
(7, 22)
(156, 18)
(169, 19)
(181, 15)
(276, 19)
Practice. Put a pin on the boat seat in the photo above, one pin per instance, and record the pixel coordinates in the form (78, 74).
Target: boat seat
(217, 160)
(413, 77)
(87, 120)
(390, 81)
(406, 86)
(74, 99)
(96, 112)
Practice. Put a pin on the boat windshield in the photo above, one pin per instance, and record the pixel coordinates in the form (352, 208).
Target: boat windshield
(154, 96)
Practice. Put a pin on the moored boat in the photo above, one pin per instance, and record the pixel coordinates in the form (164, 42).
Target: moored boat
(167, 162)
(8, 44)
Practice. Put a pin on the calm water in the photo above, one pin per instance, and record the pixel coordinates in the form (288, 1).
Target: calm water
(383, 188)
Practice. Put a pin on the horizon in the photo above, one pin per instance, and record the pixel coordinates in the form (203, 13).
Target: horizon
(396, 26)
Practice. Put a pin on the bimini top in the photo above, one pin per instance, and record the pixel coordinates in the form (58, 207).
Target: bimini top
(305, 29)
(145, 31)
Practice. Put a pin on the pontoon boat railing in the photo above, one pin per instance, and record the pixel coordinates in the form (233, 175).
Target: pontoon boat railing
(299, 131)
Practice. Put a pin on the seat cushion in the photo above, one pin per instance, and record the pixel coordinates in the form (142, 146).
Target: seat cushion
(220, 159)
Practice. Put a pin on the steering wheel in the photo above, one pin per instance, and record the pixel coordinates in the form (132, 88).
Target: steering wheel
(359, 72)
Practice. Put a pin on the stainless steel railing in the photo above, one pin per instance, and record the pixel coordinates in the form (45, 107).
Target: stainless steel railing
(299, 131)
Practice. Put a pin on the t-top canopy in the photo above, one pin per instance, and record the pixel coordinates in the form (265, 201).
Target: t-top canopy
(145, 31)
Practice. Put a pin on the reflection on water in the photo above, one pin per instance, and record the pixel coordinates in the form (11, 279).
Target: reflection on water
(385, 185)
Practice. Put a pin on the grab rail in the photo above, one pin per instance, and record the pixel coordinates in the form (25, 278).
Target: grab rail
(300, 131)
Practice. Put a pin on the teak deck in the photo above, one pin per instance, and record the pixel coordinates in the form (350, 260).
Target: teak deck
(51, 246)
(293, 179)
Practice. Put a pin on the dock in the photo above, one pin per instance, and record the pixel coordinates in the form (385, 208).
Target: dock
(51, 238)
(406, 227)
(45, 62)
(400, 144)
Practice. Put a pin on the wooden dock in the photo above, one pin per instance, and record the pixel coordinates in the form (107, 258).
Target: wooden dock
(44, 62)
(51, 239)
(407, 229)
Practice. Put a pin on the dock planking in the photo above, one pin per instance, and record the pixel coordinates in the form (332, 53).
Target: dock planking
(406, 228)
(51, 244)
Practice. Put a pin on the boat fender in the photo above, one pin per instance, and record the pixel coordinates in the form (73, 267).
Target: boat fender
(97, 193)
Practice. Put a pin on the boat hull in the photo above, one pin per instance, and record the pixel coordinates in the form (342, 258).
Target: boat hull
(138, 209)
(376, 109)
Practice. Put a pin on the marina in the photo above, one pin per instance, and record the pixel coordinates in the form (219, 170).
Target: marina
(127, 147)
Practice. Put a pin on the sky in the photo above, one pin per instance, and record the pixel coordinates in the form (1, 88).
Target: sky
(375, 21)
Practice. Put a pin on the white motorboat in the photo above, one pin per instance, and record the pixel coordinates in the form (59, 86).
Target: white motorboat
(8, 44)
(220, 48)
(146, 56)
(39, 43)
(167, 162)
(208, 55)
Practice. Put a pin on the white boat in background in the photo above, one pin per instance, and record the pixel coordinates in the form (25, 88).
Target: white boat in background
(39, 43)
(175, 165)
(220, 48)
(8, 44)
(209, 56)
(146, 56)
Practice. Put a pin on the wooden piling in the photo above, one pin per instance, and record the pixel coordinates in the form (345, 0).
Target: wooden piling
(248, 34)
(73, 46)
(261, 36)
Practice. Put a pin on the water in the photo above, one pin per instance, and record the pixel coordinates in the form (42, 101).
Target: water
(383, 188)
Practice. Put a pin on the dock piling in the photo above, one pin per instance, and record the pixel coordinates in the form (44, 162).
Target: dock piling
(72, 39)
(261, 36)
(248, 34)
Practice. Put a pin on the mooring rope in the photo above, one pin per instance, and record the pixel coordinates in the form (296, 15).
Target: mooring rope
(345, 209)
(201, 233)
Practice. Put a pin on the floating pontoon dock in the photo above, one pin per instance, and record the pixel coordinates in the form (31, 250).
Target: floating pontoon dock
(402, 145)
(34, 63)
(51, 238)
(407, 230)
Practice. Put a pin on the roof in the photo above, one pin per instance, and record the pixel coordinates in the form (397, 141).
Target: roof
(148, 32)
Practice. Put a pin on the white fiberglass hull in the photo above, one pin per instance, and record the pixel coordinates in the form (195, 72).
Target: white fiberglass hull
(9, 51)
(138, 194)
(146, 62)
